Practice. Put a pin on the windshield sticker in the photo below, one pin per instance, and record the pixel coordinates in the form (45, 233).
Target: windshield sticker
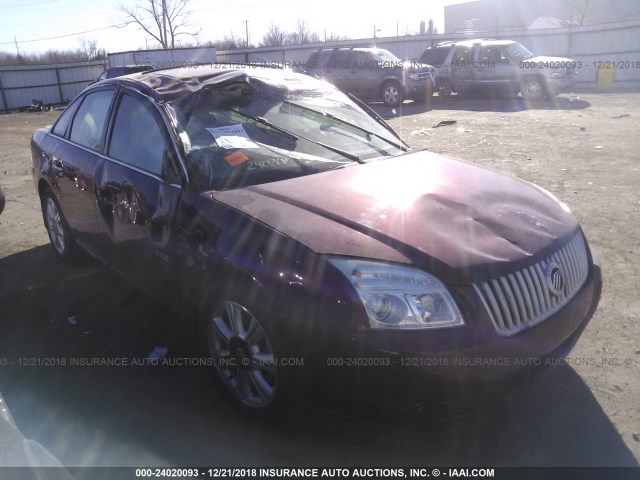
(232, 136)
(236, 158)
(272, 162)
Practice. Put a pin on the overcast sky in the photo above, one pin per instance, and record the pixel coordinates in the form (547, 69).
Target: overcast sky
(44, 19)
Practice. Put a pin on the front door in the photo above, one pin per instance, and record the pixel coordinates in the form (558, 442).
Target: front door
(494, 68)
(138, 193)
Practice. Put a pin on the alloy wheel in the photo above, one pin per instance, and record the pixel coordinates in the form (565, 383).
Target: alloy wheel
(55, 226)
(243, 354)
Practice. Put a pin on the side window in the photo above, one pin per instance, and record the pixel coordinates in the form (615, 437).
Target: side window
(137, 138)
(341, 59)
(462, 57)
(492, 55)
(60, 128)
(89, 123)
(434, 57)
(363, 60)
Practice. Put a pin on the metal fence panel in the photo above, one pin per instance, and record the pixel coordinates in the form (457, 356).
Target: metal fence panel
(52, 84)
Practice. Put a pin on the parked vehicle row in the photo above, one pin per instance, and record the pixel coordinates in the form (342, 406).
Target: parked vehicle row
(291, 223)
(502, 66)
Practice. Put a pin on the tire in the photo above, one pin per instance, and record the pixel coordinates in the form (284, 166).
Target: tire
(244, 354)
(426, 98)
(1, 200)
(62, 240)
(392, 94)
(533, 88)
(445, 89)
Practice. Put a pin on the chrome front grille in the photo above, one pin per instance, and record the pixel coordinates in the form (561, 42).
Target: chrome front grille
(520, 300)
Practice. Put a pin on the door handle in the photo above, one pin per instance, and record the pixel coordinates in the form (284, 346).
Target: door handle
(57, 166)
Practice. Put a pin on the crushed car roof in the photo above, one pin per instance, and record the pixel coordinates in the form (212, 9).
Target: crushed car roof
(168, 85)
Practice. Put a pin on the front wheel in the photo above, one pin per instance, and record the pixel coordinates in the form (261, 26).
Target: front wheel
(445, 89)
(59, 232)
(243, 354)
(533, 88)
(392, 94)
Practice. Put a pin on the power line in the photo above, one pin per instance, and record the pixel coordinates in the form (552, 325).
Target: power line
(35, 8)
(67, 35)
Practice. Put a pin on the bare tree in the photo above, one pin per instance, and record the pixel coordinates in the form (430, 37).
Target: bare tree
(334, 37)
(274, 36)
(90, 50)
(579, 10)
(230, 42)
(163, 20)
(302, 34)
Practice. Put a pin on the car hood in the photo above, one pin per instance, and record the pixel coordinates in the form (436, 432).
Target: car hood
(458, 220)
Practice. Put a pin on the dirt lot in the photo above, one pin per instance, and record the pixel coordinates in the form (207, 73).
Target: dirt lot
(583, 148)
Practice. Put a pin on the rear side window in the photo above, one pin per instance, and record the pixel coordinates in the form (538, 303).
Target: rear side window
(138, 139)
(89, 123)
(60, 128)
(342, 59)
(317, 59)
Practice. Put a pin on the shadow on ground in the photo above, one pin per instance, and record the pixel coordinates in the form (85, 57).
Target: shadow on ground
(175, 415)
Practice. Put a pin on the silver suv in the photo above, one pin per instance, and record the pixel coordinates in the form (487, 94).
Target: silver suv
(503, 64)
(372, 74)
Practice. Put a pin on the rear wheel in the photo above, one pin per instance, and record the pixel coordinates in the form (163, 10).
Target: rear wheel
(60, 235)
(392, 94)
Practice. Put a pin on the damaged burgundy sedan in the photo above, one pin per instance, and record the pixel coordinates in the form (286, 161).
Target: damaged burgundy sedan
(300, 232)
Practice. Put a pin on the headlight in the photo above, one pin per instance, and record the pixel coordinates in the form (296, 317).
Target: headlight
(400, 297)
(414, 76)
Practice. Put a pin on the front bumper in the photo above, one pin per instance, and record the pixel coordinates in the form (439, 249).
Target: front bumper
(418, 89)
(453, 365)
(556, 85)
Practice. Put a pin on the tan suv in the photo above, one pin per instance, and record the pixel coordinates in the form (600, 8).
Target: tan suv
(498, 64)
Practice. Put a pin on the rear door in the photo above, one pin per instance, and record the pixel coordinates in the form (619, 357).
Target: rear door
(138, 189)
(462, 71)
(364, 75)
(339, 72)
(78, 140)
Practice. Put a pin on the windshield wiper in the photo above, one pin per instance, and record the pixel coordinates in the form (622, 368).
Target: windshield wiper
(267, 123)
(352, 125)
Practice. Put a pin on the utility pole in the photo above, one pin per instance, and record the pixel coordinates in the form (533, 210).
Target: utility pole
(16, 42)
(246, 28)
(246, 53)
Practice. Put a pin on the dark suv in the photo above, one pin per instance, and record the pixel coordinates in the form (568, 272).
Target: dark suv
(497, 64)
(123, 70)
(372, 74)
